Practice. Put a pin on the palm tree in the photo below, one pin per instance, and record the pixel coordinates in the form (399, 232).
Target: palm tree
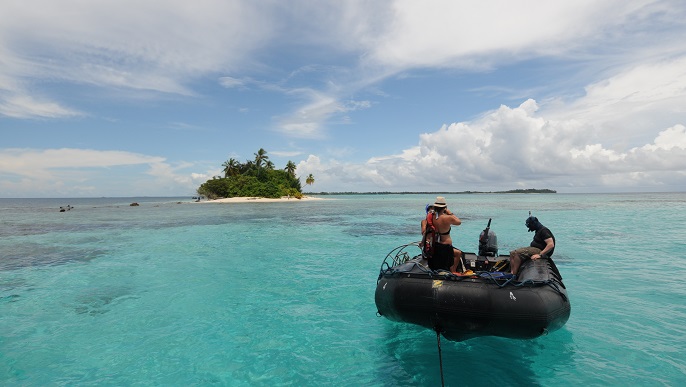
(247, 168)
(230, 167)
(290, 168)
(269, 165)
(309, 180)
(260, 157)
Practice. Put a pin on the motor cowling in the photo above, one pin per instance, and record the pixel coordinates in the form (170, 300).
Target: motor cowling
(488, 243)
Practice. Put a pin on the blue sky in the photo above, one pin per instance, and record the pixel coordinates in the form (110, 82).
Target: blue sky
(129, 98)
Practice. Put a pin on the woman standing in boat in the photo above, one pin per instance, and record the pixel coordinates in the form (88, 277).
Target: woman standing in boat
(445, 256)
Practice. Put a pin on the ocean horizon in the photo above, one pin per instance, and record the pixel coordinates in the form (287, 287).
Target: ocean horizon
(282, 293)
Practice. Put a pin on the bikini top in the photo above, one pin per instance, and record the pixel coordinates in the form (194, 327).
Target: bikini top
(447, 232)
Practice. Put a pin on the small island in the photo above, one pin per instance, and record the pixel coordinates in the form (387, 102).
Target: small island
(254, 179)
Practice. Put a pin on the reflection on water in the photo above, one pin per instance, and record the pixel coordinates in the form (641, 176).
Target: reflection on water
(100, 300)
(412, 355)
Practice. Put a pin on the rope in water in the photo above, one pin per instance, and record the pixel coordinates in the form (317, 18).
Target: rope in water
(440, 355)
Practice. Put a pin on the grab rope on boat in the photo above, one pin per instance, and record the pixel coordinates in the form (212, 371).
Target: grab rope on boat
(399, 256)
(552, 283)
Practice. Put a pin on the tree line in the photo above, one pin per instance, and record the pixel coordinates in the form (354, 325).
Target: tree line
(254, 178)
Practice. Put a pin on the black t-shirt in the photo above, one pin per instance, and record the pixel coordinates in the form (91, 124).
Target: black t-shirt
(539, 239)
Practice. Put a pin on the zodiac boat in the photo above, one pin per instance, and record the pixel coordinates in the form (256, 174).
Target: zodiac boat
(486, 300)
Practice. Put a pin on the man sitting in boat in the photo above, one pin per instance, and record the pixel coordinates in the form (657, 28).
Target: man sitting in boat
(444, 256)
(543, 245)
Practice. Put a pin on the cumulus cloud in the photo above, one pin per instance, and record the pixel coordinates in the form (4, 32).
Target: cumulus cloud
(674, 137)
(513, 148)
(625, 132)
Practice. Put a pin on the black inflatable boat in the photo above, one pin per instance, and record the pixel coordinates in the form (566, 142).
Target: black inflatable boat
(484, 301)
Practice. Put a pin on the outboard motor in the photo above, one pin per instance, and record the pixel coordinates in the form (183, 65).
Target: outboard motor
(488, 242)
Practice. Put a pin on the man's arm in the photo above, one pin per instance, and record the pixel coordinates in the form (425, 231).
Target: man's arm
(549, 245)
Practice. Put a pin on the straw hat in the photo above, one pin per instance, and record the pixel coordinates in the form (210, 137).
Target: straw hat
(440, 202)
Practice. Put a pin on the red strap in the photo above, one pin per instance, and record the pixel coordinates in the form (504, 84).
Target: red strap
(430, 235)
(430, 220)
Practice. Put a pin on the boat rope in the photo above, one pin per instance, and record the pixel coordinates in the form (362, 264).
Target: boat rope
(440, 355)
(500, 281)
(396, 257)
(552, 283)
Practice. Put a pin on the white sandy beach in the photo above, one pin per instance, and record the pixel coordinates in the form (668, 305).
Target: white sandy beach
(258, 200)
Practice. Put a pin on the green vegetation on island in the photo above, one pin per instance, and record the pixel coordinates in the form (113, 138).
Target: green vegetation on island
(254, 178)
(529, 190)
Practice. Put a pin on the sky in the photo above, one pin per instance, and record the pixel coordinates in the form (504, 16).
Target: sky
(150, 97)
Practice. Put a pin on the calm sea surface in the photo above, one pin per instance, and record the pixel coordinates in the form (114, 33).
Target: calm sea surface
(176, 293)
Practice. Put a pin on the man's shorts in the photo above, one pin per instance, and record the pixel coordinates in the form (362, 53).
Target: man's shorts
(526, 252)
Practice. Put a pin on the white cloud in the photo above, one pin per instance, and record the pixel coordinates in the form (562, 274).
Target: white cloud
(163, 46)
(152, 45)
(622, 107)
(230, 82)
(461, 33)
(511, 148)
(87, 172)
(24, 106)
(674, 137)
(611, 138)
(481, 36)
(308, 120)
(628, 125)
(29, 162)
(285, 153)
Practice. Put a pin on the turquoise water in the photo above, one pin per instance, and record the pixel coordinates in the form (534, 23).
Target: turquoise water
(274, 294)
